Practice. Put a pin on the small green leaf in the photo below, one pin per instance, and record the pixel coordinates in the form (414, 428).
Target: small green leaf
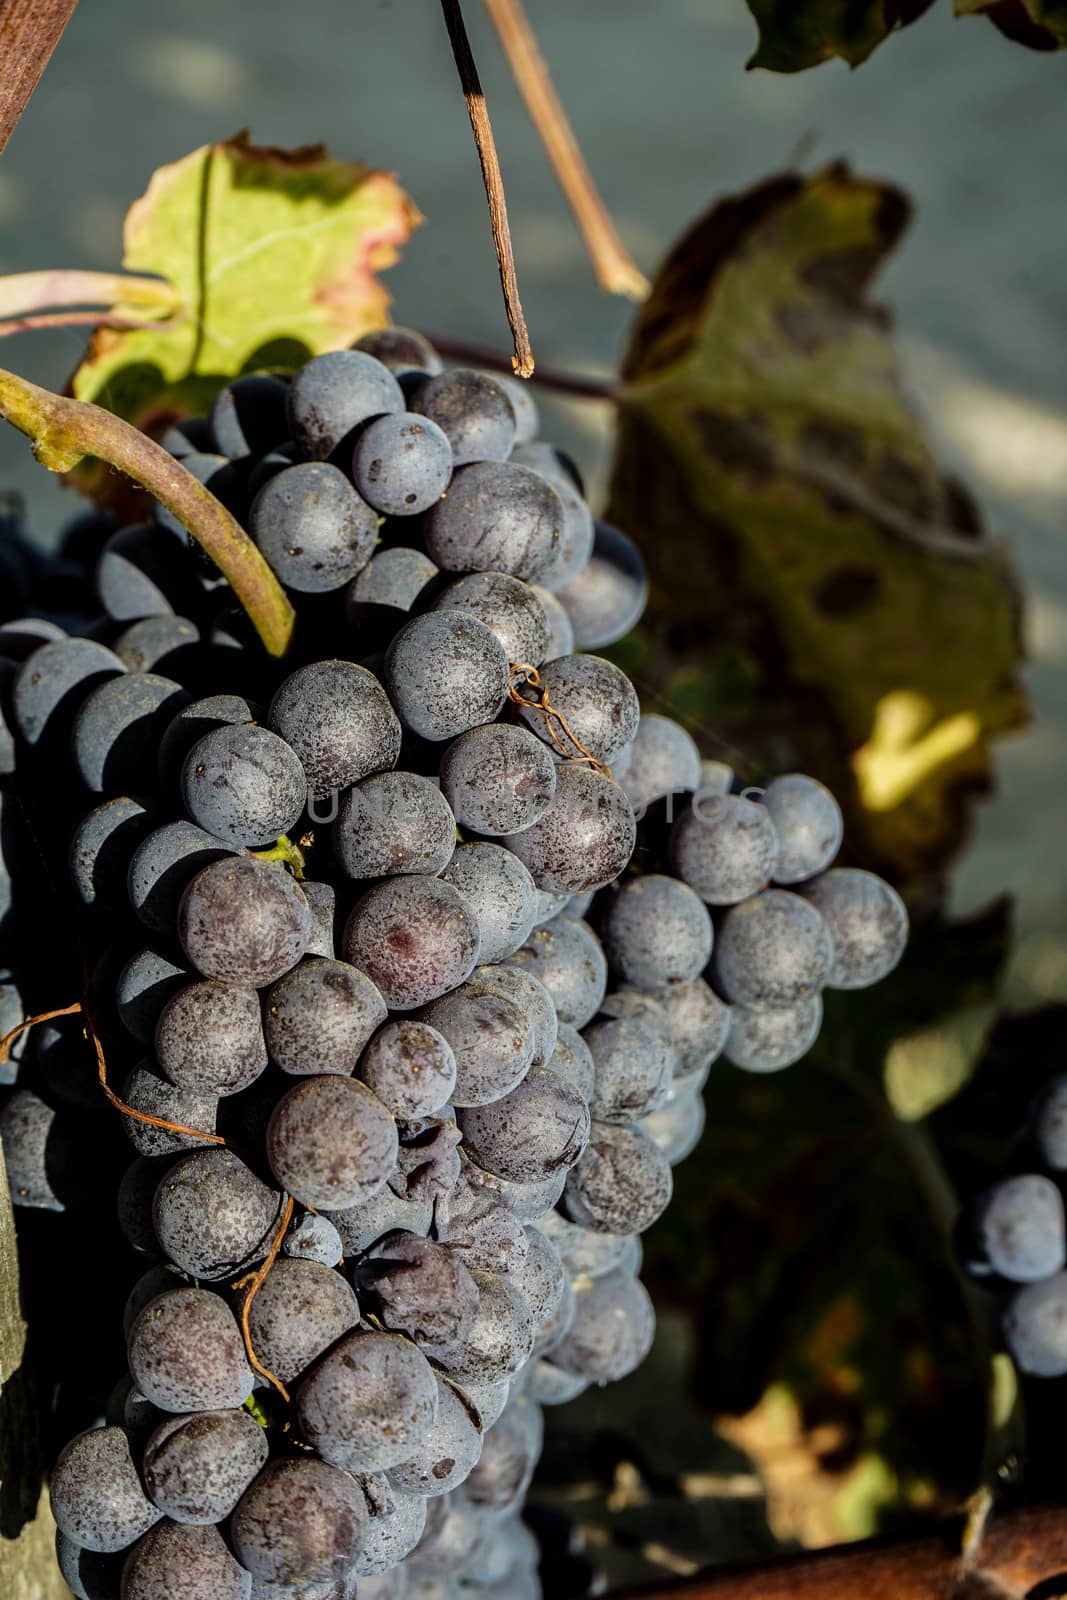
(1041, 24)
(274, 255)
(822, 597)
(795, 34)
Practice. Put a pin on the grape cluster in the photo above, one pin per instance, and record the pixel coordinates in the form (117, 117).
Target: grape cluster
(408, 1025)
(1013, 1240)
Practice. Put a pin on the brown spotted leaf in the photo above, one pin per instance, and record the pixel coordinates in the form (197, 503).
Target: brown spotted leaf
(275, 256)
(822, 596)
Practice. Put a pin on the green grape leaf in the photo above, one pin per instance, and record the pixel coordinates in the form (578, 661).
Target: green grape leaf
(1041, 24)
(822, 597)
(796, 34)
(275, 255)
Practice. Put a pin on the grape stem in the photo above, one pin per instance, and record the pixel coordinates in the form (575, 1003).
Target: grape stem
(614, 267)
(522, 361)
(29, 32)
(63, 431)
(22, 293)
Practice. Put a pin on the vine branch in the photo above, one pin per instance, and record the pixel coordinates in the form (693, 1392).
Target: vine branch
(481, 355)
(1023, 1552)
(615, 268)
(63, 431)
(523, 360)
(29, 33)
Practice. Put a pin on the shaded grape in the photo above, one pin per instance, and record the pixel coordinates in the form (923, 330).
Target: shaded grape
(96, 1494)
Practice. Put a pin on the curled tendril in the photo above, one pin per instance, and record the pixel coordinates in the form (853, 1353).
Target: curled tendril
(523, 673)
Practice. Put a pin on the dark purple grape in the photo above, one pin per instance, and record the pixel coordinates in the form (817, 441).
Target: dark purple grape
(248, 417)
(664, 761)
(300, 1310)
(490, 1038)
(612, 1331)
(724, 847)
(191, 724)
(400, 349)
(536, 1130)
(213, 1216)
(621, 1184)
(415, 937)
(402, 464)
(186, 1353)
(501, 891)
(418, 1288)
(496, 517)
(197, 1467)
(331, 1143)
(197, 1557)
(586, 837)
(209, 1038)
(445, 672)
(244, 921)
(369, 1403)
(450, 1450)
(333, 393)
(868, 924)
(100, 850)
(509, 608)
(808, 825)
(393, 822)
(567, 957)
(300, 1521)
(142, 989)
(607, 597)
(243, 784)
(498, 779)
(472, 409)
(510, 1452)
(147, 1090)
(96, 1494)
(410, 1067)
(320, 1016)
(312, 526)
(337, 718)
(163, 865)
(656, 930)
(773, 950)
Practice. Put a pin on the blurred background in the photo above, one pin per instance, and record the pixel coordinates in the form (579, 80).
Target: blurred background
(669, 121)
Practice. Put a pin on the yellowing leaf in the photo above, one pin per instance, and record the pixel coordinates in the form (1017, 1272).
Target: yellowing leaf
(274, 255)
(822, 597)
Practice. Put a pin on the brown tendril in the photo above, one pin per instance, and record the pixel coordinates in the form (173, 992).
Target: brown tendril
(255, 1281)
(522, 672)
(31, 1022)
(200, 1134)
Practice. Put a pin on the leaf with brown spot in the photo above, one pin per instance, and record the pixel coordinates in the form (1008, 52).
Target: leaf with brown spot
(822, 597)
